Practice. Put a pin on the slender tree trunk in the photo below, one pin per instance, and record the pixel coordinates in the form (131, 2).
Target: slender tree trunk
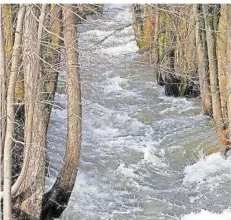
(202, 59)
(229, 71)
(147, 41)
(161, 43)
(16, 58)
(5, 37)
(172, 81)
(156, 47)
(2, 97)
(156, 34)
(52, 57)
(56, 200)
(211, 19)
(7, 208)
(137, 24)
(221, 46)
(7, 25)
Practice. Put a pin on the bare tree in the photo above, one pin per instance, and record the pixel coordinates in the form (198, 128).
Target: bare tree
(7, 17)
(229, 72)
(221, 51)
(31, 188)
(202, 59)
(36, 23)
(211, 27)
(56, 199)
(2, 96)
(7, 208)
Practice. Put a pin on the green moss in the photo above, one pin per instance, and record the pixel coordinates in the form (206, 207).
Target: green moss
(212, 18)
(183, 85)
(19, 89)
(161, 45)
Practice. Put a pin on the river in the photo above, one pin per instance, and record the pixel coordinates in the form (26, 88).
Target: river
(141, 155)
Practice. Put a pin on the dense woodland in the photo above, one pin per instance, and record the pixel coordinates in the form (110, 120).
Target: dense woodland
(32, 40)
(190, 48)
(189, 45)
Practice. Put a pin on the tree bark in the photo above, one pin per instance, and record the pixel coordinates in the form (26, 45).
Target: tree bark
(7, 208)
(156, 58)
(52, 56)
(137, 17)
(7, 16)
(56, 199)
(221, 46)
(2, 97)
(147, 40)
(211, 20)
(202, 59)
(30, 190)
(229, 72)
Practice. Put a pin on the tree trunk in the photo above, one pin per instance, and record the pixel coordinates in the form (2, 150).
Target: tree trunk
(229, 72)
(147, 40)
(3, 18)
(51, 67)
(161, 41)
(171, 87)
(211, 20)
(52, 56)
(156, 46)
(172, 81)
(8, 27)
(221, 46)
(7, 208)
(2, 98)
(56, 199)
(202, 59)
(137, 17)
(31, 188)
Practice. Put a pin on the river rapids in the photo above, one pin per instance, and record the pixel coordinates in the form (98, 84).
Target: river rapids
(141, 156)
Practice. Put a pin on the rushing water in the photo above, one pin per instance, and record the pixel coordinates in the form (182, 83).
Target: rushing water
(141, 152)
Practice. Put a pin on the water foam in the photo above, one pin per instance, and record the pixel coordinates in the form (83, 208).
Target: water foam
(96, 34)
(128, 48)
(179, 105)
(114, 84)
(207, 215)
(117, 85)
(150, 157)
(129, 172)
(211, 170)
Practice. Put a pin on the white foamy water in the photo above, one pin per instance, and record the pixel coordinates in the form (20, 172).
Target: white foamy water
(129, 172)
(114, 84)
(150, 157)
(208, 170)
(140, 150)
(178, 105)
(126, 49)
(204, 214)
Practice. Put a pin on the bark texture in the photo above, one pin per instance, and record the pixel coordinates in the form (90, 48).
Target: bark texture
(56, 200)
(7, 208)
(202, 59)
(211, 17)
(30, 184)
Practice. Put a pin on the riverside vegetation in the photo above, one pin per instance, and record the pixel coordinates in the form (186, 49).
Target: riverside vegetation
(33, 37)
(190, 46)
